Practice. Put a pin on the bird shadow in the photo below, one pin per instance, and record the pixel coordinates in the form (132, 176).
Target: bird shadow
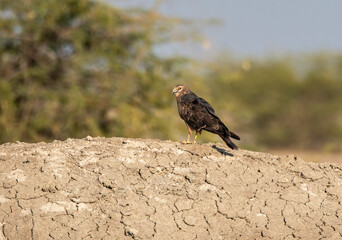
(222, 151)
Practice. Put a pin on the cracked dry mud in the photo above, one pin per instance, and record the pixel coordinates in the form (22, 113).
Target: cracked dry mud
(116, 188)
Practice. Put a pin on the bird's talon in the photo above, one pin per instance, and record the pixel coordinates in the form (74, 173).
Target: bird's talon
(186, 142)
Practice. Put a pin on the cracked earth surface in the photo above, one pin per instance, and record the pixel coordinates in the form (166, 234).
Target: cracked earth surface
(116, 188)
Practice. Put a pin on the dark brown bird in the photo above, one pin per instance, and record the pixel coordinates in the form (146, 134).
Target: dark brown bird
(198, 115)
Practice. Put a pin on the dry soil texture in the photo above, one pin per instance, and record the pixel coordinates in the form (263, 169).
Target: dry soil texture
(97, 188)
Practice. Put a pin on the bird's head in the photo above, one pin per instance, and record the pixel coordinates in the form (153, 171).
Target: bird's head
(179, 89)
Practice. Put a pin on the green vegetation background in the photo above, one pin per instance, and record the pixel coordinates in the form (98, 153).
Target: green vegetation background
(73, 68)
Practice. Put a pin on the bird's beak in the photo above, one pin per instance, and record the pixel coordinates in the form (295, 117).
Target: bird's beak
(174, 91)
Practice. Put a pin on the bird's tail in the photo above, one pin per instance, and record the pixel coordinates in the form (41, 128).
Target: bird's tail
(233, 135)
(229, 142)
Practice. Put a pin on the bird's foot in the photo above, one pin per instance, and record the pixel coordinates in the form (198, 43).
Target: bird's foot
(186, 142)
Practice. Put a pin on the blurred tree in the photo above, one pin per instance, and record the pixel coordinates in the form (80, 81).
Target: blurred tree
(320, 104)
(71, 68)
(272, 105)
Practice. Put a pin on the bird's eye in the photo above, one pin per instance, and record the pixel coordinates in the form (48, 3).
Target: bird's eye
(179, 88)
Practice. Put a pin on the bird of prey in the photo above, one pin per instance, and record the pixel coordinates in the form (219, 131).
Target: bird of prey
(198, 115)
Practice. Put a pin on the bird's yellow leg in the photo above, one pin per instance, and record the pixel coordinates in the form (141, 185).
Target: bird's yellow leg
(189, 134)
(188, 140)
(196, 137)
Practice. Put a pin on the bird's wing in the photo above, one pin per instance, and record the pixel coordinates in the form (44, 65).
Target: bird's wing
(214, 125)
(185, 107)
(198, 114)
(205, 114)
(193, 112)
(212, 121)
(208, 107)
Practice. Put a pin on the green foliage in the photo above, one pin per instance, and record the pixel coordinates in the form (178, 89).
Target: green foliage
(73, 68)
(76, 67)
(272, 105)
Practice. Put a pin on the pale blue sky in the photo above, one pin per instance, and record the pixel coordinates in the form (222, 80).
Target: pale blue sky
(257, 28)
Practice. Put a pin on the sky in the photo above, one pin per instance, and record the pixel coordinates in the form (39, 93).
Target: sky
(251, 28)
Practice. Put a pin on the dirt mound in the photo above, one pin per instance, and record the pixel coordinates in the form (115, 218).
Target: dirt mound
(98, 188)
